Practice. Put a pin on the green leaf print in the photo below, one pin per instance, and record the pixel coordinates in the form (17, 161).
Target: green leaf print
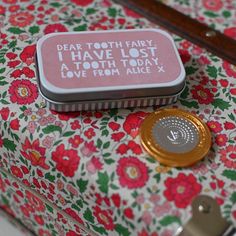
(3, 101)
(51, 128)
(226, 14)
(212, 71)
(190, 70)
(2, 83)
(121, 230)
(82, 184)
(210, 14)
(2, 70)
(220, 103)
(106, 145)
(233, 198)
(12, 44)
(80, 28)
(112, 12)
(232, 117)
(49, 208)
(34, 29)
(15, 30)
(100, 230)
(90, 11)
(50, 177)
(68, 133)
(5, 201)
(9, 145)
(230, 174)
(103, 180)
(167, 220)
(185, 93)
(88, 215)
(189, 104)
(55, 4)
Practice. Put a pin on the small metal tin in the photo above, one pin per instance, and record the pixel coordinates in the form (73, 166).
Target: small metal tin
(175, 137)
(108, 69)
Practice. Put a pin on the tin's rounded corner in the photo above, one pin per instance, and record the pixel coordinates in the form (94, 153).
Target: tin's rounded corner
(168, 35)
(44, 39)
(182, 75)
(49, 91)
(163, 32)
(180, 81)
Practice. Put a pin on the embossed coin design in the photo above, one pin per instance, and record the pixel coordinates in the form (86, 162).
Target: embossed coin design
(175, 137)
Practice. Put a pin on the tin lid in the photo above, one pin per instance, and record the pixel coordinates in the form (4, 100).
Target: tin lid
(115, 64)
(175, 137)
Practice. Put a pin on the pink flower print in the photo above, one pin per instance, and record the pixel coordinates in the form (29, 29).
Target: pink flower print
(55, 18)
(214, 166)
(59, 228)
(43, 121)
(28, 112)
(196, 50)
(72, 190)
(88, 149)
(155, 198)
(41, 111)
(147, 217)
(59, 123)
(167, 232)
(94, 165)
(48, 141)
(2, 185)
(140, 199)
(201, 168)
(23, 37)
(64, 9)
(204, 60)
(162, 209)
(76, 13)
(60, 185)
(51, 118)
(176, 212)
(61, 199)
(105, 3)
(31, 126)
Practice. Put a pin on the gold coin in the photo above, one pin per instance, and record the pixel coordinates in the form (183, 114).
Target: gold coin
(175, 137)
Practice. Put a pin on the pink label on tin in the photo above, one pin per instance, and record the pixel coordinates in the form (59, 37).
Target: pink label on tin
(114, 58)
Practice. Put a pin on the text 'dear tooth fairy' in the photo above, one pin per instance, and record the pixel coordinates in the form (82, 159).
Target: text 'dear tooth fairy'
(175, 137)
(108, 69)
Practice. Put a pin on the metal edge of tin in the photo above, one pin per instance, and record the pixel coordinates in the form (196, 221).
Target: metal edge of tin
(171, 158)
(109, 103)
(112, 94)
